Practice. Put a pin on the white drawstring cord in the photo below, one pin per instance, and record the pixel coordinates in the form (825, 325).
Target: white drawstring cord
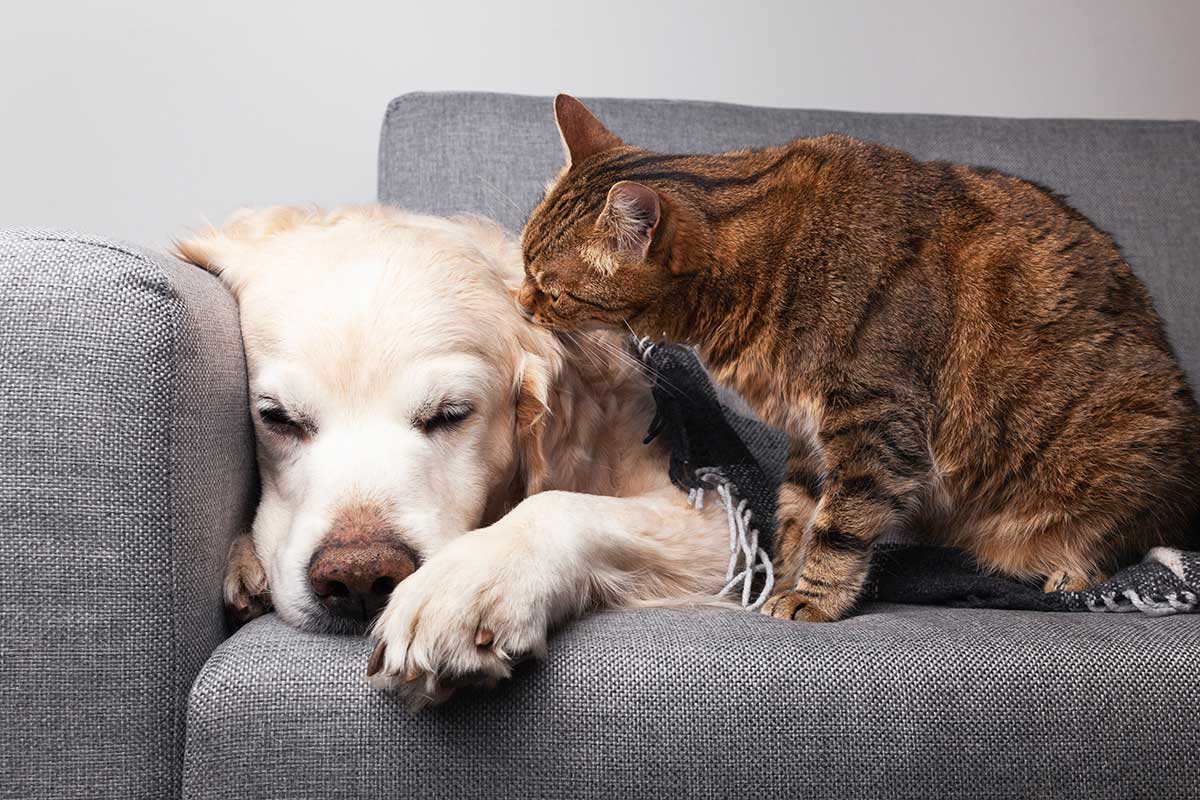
(746, 558)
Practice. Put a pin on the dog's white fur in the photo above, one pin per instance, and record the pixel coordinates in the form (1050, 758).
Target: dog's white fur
(358, 318)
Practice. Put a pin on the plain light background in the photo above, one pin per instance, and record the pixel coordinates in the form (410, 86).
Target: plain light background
(139, 119)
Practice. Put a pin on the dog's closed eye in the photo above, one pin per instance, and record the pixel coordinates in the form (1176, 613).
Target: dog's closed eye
(279, 420)
(444, 416)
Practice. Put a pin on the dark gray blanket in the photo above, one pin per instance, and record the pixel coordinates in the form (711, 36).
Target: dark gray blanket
(707, 438)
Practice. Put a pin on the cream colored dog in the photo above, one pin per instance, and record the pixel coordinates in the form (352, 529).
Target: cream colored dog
(427, 452)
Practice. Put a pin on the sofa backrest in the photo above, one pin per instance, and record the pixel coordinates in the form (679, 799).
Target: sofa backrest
(492, 154)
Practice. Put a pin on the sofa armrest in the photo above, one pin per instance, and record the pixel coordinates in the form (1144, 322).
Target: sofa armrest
(126, 466)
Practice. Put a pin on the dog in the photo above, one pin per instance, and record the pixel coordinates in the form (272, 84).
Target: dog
(437, 470)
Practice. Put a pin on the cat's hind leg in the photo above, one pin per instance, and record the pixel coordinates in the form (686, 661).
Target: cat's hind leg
(1065, 554)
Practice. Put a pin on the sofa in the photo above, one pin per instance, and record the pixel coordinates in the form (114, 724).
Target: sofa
(127, 466)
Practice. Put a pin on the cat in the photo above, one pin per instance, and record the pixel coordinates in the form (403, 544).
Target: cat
(950, 350)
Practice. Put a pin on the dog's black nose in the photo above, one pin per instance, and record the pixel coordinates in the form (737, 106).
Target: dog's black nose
(359, 562)
(355, 582)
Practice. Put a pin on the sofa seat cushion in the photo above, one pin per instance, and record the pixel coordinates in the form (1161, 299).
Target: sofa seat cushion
(899, 701)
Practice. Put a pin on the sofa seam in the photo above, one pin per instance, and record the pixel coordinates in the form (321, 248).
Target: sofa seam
(179, 693)
(98, 244)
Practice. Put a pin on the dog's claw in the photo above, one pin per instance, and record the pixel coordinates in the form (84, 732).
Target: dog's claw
(375, 663)
(484, 637)
(246, 592)
(453, 622)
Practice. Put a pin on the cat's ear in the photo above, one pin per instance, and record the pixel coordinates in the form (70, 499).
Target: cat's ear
(582, 134)
(630, 218)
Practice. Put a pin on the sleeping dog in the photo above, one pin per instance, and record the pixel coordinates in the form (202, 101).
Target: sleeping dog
(435, 468)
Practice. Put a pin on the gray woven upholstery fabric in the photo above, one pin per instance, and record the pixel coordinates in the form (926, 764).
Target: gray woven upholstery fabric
(898, 702)
(126, 464)
(1140, 180)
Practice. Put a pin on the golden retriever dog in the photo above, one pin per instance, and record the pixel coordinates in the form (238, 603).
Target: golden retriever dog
(435, 468)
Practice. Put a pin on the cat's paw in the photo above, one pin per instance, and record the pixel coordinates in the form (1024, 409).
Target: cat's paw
(245, 589)
(793, 605)
(465, 618)
(1067, 581)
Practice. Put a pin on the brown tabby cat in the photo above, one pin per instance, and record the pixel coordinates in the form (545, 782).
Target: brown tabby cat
(948, 348)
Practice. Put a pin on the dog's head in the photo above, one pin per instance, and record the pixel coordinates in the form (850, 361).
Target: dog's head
(397, 392)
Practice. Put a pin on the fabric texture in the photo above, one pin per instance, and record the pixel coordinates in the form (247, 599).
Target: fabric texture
(897, 702)
(126, 465)
(492, 154)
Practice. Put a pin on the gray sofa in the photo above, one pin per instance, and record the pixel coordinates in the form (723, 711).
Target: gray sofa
(126, 465)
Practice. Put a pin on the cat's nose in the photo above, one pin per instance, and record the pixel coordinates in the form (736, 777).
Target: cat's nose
(527, 297)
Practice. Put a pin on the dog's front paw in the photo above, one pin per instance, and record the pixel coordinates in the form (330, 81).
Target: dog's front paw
(465, 618)
(246, 592)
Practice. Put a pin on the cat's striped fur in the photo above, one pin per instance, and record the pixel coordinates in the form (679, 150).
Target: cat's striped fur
(950, 349)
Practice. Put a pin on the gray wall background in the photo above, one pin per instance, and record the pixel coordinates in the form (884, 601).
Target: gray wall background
(139, 119)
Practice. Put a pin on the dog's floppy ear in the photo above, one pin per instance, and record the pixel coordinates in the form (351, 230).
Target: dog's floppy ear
(533, 381)
(206, 249)
(229, 251)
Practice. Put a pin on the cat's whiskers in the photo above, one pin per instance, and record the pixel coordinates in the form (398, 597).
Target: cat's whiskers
(583, 350)
(626, 357)
(500, 192)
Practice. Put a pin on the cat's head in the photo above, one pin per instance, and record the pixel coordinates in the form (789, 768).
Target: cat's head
(601, 249)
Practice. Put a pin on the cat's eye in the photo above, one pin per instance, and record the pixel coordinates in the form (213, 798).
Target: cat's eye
(445, 417)
(554, 293)
(278, 420)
